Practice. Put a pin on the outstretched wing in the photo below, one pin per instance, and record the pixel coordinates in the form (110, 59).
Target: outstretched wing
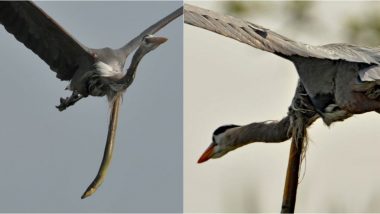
(40, 33)
(267, 40)
(134, 43)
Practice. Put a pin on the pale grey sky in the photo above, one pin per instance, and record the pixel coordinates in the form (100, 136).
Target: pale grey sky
(48, 158)
(227, 82)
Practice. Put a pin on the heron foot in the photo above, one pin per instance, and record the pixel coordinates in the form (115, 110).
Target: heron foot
(331, 108)
(373, 94)
(333, 113)
(69, 101)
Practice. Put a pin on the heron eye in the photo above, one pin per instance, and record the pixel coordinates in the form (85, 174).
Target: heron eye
(147, 36)
(144, 38)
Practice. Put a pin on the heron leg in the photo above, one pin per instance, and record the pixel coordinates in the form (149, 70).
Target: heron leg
(69, 101)
(107, 156)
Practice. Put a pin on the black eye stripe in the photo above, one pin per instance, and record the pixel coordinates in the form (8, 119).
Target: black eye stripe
(223, 129)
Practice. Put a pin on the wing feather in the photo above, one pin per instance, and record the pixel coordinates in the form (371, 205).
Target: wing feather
(40, 33)
(267, 40)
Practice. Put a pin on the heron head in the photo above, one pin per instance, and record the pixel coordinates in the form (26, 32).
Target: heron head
(223, 141)
(148, 43)
(151, 42)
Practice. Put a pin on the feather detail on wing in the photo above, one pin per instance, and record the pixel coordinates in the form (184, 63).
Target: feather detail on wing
(41, 34)
(267, 40)
(370, 74)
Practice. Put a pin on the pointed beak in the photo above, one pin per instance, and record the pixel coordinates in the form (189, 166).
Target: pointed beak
(156, 40)
(207, 154)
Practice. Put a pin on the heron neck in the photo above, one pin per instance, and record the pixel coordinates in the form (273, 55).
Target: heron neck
(139, 54)
(276, 131)
(131, 71)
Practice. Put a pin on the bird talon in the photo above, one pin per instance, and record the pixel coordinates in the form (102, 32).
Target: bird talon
(68, 101)
(63, 104)
(331, 108)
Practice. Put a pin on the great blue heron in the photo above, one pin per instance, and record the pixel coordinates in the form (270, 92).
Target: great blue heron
(95, 72)
(336, 82)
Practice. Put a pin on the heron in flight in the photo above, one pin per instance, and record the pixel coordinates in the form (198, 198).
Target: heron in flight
(91, 72)
(337, 80)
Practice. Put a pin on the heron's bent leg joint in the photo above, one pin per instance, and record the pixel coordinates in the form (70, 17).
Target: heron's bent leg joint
(69, 101)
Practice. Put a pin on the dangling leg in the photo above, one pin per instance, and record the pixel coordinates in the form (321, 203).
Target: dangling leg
(69, 101)
(107, 156)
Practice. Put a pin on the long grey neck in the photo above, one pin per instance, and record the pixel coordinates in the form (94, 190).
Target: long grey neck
(135, 61)
(267, 132)
(131, 71)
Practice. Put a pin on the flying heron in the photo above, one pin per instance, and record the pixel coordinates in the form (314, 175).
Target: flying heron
(91, 72)
(336, 81)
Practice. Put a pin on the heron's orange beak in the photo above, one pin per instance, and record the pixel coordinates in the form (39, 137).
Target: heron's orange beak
(207, 154)
(156, 40)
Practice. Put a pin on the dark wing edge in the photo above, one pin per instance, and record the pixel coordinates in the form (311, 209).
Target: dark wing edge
(40, 33)
(267, 40)
(134, 43)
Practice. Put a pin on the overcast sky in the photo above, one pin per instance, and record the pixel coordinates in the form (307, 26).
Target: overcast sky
(48, 158)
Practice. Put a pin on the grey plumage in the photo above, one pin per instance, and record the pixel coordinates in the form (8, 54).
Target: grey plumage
(44, 37)
(329, 73)
(267, 40)
(70, 59)
(336, 81)
(95, 72)
(232, 137)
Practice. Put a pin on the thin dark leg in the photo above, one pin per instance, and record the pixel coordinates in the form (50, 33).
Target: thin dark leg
(291, 183)
(107, 156)
(302, 114)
